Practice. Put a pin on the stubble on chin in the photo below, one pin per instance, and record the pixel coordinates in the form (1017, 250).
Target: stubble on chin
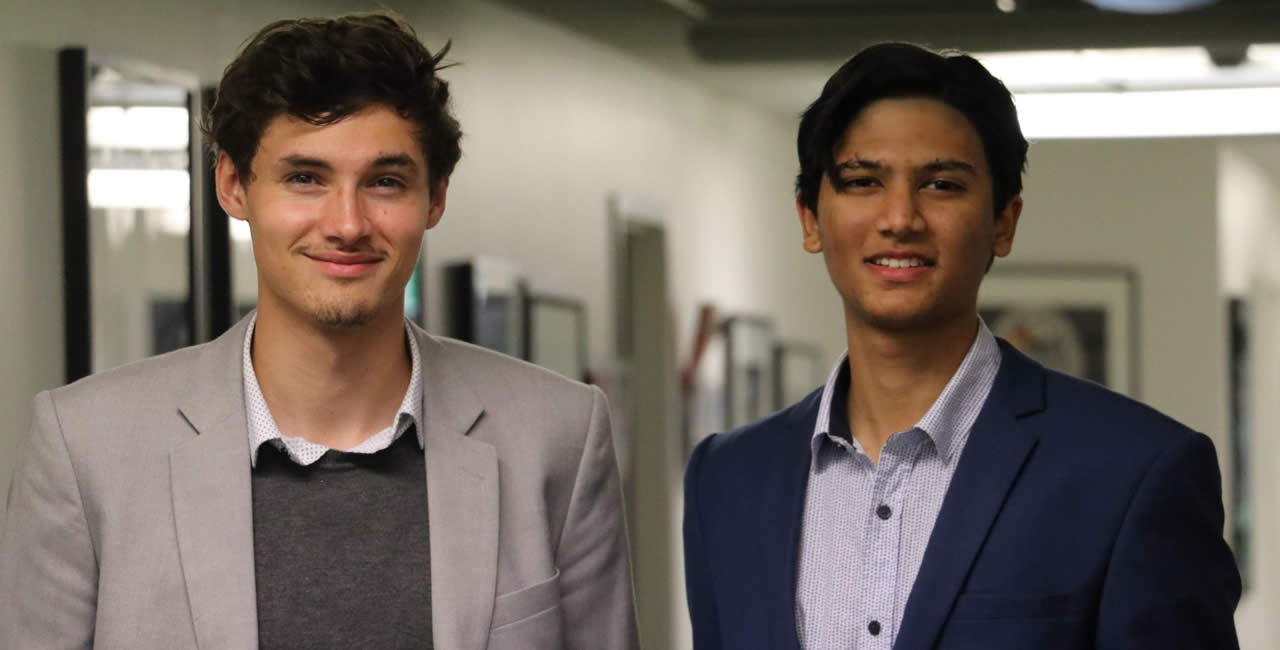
(343, 316)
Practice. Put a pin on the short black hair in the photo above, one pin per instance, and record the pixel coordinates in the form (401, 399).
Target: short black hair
(322, 70)
(895, 70)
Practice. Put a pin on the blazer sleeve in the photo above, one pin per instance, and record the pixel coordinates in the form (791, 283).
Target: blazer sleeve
(697, 576)
(1172, 581)
(48, 567)
(595, 570)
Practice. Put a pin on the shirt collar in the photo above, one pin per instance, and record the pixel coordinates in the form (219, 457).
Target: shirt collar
(947, 418)
(262, 426)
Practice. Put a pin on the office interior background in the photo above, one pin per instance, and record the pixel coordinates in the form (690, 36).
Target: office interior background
(634, 160)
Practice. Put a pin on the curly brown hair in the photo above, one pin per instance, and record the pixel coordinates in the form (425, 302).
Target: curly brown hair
(322, 70)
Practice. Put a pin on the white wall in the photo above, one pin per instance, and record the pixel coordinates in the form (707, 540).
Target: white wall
(31, 338)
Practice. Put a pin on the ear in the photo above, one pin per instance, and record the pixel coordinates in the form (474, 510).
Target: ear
(230, 187)
(812, 236)
(437, 201)
(1007, 226)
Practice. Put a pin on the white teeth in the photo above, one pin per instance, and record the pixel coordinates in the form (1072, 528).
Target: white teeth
(898, 263)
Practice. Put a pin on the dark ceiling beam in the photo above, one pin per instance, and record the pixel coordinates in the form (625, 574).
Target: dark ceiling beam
(767, 38)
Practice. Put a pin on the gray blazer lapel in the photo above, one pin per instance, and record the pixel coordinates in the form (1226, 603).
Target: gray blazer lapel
(462, 504)
(213, 504)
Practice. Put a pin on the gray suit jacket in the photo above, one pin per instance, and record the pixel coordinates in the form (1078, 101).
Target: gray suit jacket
(130, 522)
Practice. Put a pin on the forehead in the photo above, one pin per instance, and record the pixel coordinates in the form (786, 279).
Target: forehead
(912, 129)
(358, 138)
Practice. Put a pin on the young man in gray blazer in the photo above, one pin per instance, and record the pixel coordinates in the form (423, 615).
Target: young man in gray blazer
(325, 474)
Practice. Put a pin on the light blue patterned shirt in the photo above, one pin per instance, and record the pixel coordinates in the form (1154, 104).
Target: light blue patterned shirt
(263, 428)
(866, 526)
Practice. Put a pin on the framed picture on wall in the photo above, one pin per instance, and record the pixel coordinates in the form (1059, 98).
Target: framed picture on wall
(556, 334)
(707, 399)
(748, 369)
(1080, 320)
(797, 371)
(1240, 408)
(485, 304)
(702, 392)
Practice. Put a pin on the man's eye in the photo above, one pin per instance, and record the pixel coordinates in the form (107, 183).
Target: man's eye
(301, 179)
(389, 181)
(944, 185)
(859, 182)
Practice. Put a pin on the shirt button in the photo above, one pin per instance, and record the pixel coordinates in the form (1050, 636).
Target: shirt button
(874, 628)
(884, 512)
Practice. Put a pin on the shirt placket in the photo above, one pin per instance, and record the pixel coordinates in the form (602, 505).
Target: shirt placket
(882, 545)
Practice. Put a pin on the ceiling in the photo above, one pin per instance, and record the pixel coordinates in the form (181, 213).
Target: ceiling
(776, 54)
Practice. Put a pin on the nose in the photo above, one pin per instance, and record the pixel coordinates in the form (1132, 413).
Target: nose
(346, 221)
(901, 211)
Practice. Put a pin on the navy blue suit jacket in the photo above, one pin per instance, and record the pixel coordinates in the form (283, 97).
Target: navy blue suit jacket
(1076, 518)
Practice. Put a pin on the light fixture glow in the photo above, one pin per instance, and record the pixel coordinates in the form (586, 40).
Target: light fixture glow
(1177, 113)
(240, 230)
(1082, 70)
(1149, 6)
(139, 127)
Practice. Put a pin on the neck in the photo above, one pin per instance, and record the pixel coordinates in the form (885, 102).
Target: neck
(896, 376)
(332, 386)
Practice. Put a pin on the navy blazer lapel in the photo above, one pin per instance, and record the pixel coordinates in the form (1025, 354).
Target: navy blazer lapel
(781, 502)
(998, 447)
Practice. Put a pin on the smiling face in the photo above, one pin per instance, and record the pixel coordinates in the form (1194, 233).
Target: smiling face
(907, 228)
(337, 213)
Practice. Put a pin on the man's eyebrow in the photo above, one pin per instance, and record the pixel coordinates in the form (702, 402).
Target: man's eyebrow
(388, 160)
(395, 160)
(854, 164)
(298, 160)
(950, 165)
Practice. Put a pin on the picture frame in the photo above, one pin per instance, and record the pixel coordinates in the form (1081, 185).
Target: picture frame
(749, 374)
(1080, 319)
(556, 334)
(1242, 449)
(702, 382)
(485, 304)
(797, 370)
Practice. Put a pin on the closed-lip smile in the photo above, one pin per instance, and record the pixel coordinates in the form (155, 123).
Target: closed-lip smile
(344, 265)
(343, 258)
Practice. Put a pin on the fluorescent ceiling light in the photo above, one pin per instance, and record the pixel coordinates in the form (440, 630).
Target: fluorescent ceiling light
(1137, 69)
(1068, 70)
(1263, 54)
(1203, 112)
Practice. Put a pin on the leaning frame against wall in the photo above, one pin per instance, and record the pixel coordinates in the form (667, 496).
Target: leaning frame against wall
(135, 245)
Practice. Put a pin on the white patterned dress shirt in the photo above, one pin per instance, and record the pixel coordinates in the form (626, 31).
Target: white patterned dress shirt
(263, 429)
(866, 525)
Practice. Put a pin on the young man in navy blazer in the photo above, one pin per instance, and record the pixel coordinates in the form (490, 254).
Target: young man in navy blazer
(943, 491)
